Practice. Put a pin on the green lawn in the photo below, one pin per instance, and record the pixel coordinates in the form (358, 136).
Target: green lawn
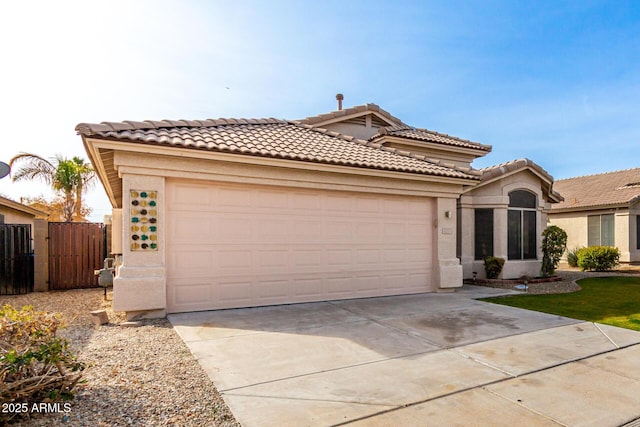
(610, 300)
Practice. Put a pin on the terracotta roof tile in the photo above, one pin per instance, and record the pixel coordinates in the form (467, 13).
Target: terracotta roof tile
(496, 171)
(602, 190)
(272, 138)
(426, 135)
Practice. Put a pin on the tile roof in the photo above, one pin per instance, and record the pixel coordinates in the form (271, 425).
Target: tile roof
(272, 138)
(599, 191)
(349, 111)
(427, 135)
(496, 171)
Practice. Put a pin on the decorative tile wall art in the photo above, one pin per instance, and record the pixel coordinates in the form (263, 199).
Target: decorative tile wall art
(144, 220)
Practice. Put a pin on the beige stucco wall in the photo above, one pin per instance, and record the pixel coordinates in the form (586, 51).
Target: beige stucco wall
(140, 284)
(576, 226)
(12, 216)
(354, 129)
(495, 195)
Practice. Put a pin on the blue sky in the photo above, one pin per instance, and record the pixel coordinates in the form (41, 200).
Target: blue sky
(557, 82)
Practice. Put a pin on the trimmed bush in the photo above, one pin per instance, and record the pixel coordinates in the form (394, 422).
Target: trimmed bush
(598, 258)
(572, 256)
(554, 243)
(493, 267)
(35, 366)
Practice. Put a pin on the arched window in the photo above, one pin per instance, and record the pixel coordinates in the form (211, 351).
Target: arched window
(522, 233)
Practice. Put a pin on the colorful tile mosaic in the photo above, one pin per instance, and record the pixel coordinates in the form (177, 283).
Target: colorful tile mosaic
(144, 220)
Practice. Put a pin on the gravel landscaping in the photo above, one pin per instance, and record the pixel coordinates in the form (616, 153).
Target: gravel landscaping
(136, 376)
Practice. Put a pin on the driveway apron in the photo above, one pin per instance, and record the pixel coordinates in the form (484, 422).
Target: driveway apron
(427, 359)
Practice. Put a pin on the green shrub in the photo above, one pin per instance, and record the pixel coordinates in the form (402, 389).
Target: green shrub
(35, 366)
(598, 258)
(554, 243)
(493, 267)
(572, 256)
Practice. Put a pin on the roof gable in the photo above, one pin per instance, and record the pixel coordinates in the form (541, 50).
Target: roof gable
(611, 189)
(493, 173)
(357, 114)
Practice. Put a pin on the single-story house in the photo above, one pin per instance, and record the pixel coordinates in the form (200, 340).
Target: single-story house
(602, 209)
(12, 212)
(355, 203)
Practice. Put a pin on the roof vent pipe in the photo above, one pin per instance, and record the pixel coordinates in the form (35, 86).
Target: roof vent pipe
(339, 98)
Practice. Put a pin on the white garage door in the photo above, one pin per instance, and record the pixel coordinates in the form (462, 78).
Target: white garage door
(243, 245)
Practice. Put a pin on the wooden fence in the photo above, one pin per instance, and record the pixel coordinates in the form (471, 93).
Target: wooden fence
(75, 251)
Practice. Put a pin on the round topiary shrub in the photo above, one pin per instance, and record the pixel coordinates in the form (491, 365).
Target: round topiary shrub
(598, 258)
(493, 266)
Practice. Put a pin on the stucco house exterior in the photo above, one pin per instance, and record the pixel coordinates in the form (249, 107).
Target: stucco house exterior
(504, 216)
(247, 212)
(12, 212)
(602, 209)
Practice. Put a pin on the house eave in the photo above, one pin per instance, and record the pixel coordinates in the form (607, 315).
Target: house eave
(590, 208)
(112, 181)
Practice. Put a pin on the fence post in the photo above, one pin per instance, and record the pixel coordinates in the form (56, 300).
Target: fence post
(41, 255)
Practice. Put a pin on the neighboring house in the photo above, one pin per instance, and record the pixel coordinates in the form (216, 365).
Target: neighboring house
(235, 213)
(504, 216)
(12, 212)
(601, 209)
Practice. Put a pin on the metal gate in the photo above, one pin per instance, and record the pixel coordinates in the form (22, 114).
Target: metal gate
(76, 249)
(16, 259)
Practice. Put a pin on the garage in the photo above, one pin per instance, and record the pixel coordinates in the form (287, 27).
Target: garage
(228, 213)
(240, 245)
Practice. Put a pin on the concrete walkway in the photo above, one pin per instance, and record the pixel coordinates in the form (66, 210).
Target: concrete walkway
(429, 359)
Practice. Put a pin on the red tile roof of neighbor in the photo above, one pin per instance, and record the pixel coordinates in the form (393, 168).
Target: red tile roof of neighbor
(273, 138)
(620, 188)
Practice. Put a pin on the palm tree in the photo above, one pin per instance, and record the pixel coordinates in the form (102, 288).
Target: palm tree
(70, 178)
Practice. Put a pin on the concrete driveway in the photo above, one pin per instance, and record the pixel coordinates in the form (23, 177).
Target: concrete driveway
(429, 359)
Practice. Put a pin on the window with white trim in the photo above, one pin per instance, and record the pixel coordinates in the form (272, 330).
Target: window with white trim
(601, 230)
(521, 224)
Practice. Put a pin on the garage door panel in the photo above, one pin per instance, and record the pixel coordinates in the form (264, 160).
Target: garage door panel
(310, 289)
(338, 257)
(190, 197)
(188, 227)
(305, 203)
(192, 293)
(252, 245)
(272, 258)
(236, 197)
(193, 262)
(270, 199)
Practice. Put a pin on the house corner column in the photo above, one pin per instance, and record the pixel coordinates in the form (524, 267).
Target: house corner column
(448, 269)
(139, 289)
(40, 255)
(622, 235)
